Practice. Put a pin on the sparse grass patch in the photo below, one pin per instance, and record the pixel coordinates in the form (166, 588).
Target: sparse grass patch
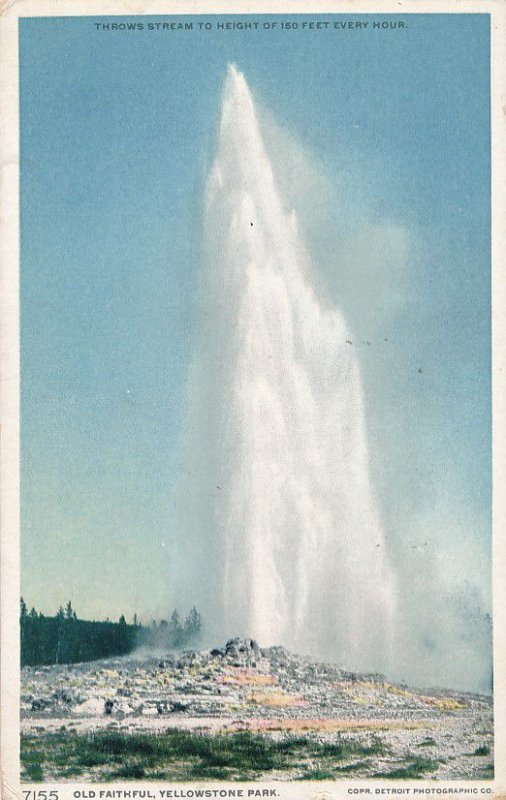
(294, 754)
(344, 748)
(317, 774)
(31, 762)
(91, 759)
(177, 755)
(351, 767)
(115, 743)
(208, 771)
(416, 768)
(483, 750)
(129, 772)
(487, 772)
(32, 773)
(70, 772)
(291, 744)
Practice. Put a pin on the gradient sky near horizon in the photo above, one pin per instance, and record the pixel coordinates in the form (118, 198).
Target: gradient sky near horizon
(381, 140)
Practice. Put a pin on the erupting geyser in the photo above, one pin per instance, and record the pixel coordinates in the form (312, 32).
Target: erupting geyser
(281, 537)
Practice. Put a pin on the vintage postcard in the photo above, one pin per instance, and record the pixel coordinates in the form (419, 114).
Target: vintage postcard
(252, 464)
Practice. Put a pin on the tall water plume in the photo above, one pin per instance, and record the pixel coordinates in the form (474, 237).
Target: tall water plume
(282, 539)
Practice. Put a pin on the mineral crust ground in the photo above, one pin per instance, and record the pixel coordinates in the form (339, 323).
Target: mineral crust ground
(244, 713)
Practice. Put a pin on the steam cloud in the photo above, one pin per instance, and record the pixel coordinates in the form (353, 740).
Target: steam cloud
(280, 537)
(284, 530)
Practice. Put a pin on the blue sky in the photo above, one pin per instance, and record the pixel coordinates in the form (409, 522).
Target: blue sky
(118, 130)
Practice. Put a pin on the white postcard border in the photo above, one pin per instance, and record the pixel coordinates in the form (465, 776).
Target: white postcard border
(10, 12)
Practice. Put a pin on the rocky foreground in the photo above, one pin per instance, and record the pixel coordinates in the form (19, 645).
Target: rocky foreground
(318, 720)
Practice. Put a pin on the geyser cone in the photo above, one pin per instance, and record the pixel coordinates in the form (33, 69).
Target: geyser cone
(282, 540)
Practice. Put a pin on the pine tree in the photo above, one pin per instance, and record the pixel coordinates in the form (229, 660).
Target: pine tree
(176, 629)
(60, 617)
(192, 625)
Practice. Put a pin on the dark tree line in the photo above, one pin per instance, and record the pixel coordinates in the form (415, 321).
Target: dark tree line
(65, 639)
